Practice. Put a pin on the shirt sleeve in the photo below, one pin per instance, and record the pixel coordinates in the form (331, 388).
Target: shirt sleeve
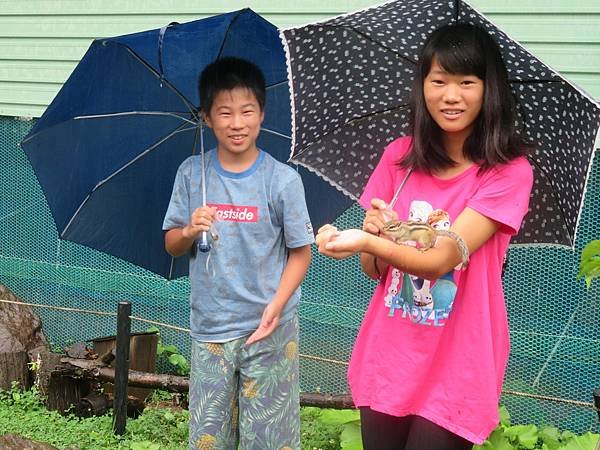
(178, 213)
(381, 181)
(504, 194)
(297, 228)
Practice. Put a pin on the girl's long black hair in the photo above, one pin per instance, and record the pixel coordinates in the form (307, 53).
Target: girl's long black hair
(466, 50)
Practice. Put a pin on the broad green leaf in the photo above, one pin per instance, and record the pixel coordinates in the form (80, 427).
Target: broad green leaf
(170, 348)
(587, 267)
(178, 360)
(504, 416)
(498, 441)
(339, 416)
(591, 249)
(551, 438)
(485, 446)
(524, 435)
(350, 439)
(595, 273)
(567, 435)
(588, 441)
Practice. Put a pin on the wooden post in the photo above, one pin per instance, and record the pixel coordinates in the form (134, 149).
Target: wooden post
(121, 367)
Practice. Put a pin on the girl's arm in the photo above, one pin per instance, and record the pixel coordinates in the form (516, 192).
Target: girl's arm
(293, 274)
(473, 227)
(374, 221)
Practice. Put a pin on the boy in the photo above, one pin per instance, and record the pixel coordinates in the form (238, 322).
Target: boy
(244, 297)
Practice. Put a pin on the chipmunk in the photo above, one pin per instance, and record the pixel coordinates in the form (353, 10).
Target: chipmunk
(423, 234)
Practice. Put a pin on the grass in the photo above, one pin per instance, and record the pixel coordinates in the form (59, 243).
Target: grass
(159, 427)
(165, 427)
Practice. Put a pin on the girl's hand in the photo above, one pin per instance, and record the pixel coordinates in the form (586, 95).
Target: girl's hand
(340, 244)
(377, 216)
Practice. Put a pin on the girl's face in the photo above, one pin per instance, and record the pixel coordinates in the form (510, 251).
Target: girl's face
(453, 100)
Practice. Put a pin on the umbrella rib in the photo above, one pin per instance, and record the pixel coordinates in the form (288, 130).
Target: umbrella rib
(137, 113)
(369, 38)
(562, 212)
(542, 80)
(356, 119)
(239, 13)
(279, 83)
(116, 172)
(192, 108)
(99, 116)
(276, 133)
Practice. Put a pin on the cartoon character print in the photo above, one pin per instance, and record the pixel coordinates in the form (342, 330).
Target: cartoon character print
(393, 287)
(438, 219)
(419, 212)
(423, 302)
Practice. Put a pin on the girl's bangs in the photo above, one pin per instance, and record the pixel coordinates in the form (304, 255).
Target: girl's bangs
(461, 58)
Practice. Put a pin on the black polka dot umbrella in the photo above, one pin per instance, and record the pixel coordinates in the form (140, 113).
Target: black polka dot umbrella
(351, 77)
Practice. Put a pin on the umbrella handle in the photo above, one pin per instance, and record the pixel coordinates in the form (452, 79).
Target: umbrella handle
(204, 246)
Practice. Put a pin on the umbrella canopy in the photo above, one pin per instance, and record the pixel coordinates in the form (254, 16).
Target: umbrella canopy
(351, 78)
(107, 148)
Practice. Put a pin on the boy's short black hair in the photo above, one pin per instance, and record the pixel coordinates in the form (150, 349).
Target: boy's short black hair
(226, 74)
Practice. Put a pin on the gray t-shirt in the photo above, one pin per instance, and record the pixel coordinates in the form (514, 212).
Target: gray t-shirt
(261, 213)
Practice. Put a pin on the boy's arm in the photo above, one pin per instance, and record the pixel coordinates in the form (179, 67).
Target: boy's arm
(293, 274)
(177, 242)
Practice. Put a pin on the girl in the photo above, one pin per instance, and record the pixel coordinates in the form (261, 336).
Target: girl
(427, 368)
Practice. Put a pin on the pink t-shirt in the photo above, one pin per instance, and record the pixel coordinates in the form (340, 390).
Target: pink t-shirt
(438, 348)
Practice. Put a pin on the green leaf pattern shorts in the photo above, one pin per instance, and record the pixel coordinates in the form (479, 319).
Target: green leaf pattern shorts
(246, 395)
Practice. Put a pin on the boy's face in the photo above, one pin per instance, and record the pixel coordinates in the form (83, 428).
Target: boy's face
(235, 118)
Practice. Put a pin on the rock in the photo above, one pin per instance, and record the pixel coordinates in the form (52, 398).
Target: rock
(16, 442)
(77, 350)
(21, 340)
(20, 327)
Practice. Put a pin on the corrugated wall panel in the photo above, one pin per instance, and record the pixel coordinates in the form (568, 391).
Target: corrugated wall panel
(42, 40)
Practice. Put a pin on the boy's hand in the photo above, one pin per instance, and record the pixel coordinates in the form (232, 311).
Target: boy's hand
(268, 324)
(201, 220)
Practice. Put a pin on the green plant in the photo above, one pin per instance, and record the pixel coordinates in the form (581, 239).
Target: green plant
(524, 437)
(22, 413)
(170, 354)
(329, 429)
(589, 265)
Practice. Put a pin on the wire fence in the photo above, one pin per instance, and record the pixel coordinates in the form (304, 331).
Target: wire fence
(555, 322)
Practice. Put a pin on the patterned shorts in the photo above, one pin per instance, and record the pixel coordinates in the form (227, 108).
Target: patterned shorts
(246, 396)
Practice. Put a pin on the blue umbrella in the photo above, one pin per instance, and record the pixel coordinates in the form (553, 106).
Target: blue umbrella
(107, 148)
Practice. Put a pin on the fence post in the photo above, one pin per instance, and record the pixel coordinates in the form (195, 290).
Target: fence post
(121, 368)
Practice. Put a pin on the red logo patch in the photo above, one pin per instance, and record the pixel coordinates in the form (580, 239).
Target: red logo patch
(236, 213)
